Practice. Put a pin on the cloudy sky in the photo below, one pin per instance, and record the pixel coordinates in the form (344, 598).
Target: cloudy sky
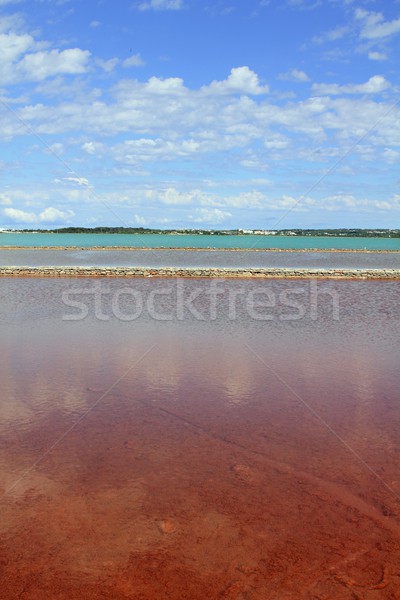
(200, 113)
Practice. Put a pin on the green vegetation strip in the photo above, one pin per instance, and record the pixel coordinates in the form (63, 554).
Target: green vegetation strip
(386, 233)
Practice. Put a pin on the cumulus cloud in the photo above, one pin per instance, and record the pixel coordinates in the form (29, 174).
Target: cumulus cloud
(188, 125)
(81, 181)
(42, 64)
(52, 215)
(163, 120)
(20, 216)
(141, 221)
(172, 122)
(210, 216)
(374, 85)
(107, 65)
(10, 22)
(146, 149)
(123, 133)
(48, 215)
(174, 197)
(374, 26)
(295, 75)
(371, 29)
(375, 55)
(133, 61)
(332, 35)
(93, 148)
(241, 80)
(5, 200)
(13, 45)
(391, 156)
(352, 203)
(57, 148)
(155, 86)
(24, 60)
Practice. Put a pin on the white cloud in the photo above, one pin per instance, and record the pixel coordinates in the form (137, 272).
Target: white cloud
(141, 206)
(133, 61)
(13, 46)
(252, 199)
(276, 141)
(81, 181)
(20, 216)
(286, 202)
(241, 80)
(48, 215)
(133, 152)
(171, 85)
(192, 121)
(107, 65)
(53, 215)
(24, 60)
(141, 221)
(39, 65)
(161, 5)
(95, 24)
(163, 120)
(173, 197)
(5, 200)
(374, 85)
(332, 35)
(391, 156)
(11, 22)
(196, 197)
(57, 148)
(210, 216)
(396, 200)
(375, 55)
(295, 75)
(374, 26)
(93, 148)
(350, 202)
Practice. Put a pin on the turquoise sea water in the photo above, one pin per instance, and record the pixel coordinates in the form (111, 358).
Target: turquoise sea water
(107, 240)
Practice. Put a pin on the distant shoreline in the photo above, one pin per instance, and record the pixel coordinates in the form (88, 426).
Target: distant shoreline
(363, 233)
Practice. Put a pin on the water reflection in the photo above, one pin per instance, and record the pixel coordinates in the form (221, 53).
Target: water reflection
(201, 258)
(197, 448)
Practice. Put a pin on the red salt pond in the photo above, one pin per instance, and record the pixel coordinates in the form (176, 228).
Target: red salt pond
(213, 454)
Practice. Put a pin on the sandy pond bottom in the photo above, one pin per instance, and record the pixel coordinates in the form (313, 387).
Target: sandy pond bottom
(223, 457)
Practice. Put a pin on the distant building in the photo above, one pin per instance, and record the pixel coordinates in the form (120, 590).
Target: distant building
(258, 231)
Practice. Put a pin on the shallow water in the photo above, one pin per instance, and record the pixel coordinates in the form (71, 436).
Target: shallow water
(144, 240)
(192, 450)
(200, 259)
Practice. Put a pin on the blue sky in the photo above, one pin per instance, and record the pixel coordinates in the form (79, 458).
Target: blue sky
(189, 113)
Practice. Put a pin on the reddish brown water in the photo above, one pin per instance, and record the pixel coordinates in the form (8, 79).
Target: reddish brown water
(234, 459)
